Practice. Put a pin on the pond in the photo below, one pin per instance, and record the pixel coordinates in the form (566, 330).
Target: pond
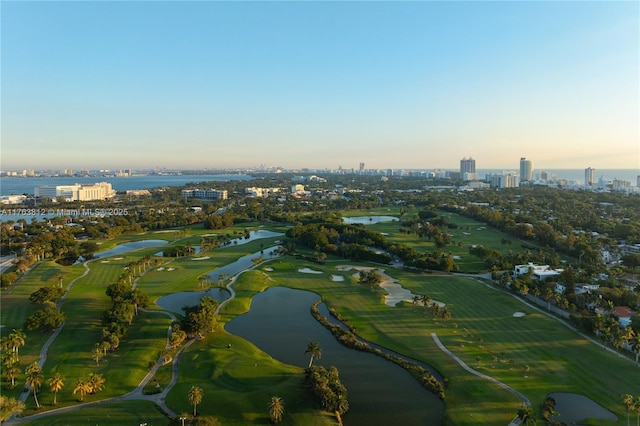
(574, 408)
(130, 246)
(368, 220)
(241, 264)
(380, 392)
(174, 302)
(253, 235)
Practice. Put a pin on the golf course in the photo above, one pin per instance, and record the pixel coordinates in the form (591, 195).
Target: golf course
(515, 354)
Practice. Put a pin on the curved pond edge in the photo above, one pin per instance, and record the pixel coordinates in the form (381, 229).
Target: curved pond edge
(349, 339)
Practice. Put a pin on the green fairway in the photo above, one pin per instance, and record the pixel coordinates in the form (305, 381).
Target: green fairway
(116, 413)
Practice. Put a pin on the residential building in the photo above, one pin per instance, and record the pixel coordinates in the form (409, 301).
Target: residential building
(468, 169)
(589, 176)
(540, 272)
(205, 194)
(526, 170)
(503, 180)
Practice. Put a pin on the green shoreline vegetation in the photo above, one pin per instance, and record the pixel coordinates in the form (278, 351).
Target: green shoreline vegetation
(533, 353)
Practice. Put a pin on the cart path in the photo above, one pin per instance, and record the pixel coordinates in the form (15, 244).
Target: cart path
(137, 393)
(524, 399)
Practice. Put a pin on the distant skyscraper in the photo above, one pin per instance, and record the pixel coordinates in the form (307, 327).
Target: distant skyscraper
(589, 176)
(361, 168)
(468, 169)
(526, 170)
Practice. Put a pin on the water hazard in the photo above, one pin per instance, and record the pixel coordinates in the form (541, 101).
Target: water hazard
(380, 392)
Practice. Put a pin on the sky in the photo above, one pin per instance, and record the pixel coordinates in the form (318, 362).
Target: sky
(413, 85)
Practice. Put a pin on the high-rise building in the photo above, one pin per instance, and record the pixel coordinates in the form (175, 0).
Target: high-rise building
(468, 169)
(589, 176)
(526, 170)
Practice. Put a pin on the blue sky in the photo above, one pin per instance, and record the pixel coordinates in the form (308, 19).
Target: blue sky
(320, 84)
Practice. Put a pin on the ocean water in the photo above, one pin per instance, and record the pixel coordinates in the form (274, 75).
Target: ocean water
(27, 185)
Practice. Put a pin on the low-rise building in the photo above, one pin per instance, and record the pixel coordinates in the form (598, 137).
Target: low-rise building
(540, 272)
(205, 194)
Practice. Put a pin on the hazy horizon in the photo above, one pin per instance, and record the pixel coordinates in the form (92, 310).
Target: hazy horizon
(401, 85)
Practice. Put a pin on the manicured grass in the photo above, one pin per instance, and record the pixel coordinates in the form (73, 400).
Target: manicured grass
(117, 413)
(557, 357)
(238, 383)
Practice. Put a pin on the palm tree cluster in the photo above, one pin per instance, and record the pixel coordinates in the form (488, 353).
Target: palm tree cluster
(9, 346)
(327, 387)
(432, 307)
(90, 384)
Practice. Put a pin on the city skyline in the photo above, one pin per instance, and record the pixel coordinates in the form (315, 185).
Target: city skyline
(408, 85)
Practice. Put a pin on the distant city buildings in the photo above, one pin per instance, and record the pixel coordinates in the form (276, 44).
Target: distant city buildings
(589, 176)
(76, 192)
(503, 180)
(526, 170)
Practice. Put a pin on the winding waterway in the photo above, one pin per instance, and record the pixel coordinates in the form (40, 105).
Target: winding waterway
(380, 392)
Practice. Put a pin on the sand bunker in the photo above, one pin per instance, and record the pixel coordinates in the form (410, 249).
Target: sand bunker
(118, 258)
(268, 269)
(395, 292)
(519, 314)
(457, 257)
(104, 261)
(171, 269)
(201, 258)
(160, 268)
(309, 271)
(337, 278)
(165, 231)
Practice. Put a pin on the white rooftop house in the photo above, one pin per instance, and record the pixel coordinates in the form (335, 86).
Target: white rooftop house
(540, 272)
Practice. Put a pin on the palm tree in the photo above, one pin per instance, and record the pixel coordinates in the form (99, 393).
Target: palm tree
(637, 404)
(34, 379)
(11, 373)
(276, 409)
(16, 339)
(9, 407)
(314, 349)
(82, 387)
(195, 397)
(342, 406)
(629, 404)
(56, 383)
(60, 278)
(526, 416)
(96, 353)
